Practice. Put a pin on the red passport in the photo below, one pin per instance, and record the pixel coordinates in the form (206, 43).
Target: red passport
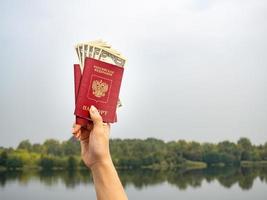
(99, 86)
(77, 81)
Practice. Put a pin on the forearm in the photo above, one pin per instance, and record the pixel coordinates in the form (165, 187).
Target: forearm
(107, 183)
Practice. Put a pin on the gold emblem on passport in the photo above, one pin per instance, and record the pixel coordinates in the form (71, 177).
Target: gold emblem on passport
(99, 88)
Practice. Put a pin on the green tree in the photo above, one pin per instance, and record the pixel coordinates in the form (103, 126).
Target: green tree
(230, 152)
(3, 158)
(174, 154)
(245, 147)
(263, 152)
(208, 147)
(37, 148)
(13, 163)
(52, 147)
(193, 151)
(227, 159)
(25, 144)
(46, 163)
(72, 163)
(71, 147)
(212, 158)
(255, 155)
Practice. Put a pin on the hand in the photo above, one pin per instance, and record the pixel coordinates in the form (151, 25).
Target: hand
(94, 139)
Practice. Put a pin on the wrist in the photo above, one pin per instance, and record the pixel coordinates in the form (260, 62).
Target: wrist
(101, 164)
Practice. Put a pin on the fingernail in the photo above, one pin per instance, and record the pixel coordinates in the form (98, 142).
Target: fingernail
(93, 109)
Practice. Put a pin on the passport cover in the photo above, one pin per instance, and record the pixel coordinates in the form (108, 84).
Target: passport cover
(77, 80)
(99, 86)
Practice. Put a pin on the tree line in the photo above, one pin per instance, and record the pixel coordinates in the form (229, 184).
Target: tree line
(134, 153)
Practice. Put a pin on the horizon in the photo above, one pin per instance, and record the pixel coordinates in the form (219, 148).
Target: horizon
(165, 141)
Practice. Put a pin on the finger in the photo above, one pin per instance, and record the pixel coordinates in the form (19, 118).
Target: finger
(84, 134)
(76, 128)
(84, 139)
(90, 126)
(95, 116)
(77, 135)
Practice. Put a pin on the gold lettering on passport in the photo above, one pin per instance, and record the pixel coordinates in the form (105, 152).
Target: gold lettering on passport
(101, 112)
(103, 70)
(99, 88)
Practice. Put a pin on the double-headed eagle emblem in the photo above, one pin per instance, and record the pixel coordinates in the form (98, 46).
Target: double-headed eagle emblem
(99, 88)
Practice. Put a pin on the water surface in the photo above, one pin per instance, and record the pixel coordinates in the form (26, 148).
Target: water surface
(212, 183)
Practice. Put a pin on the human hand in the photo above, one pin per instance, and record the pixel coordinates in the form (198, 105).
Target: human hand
(94, 140)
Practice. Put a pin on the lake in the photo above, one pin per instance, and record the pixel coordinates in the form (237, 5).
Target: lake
(208, 184)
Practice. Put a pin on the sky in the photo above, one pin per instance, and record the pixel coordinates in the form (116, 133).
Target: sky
(196, 69)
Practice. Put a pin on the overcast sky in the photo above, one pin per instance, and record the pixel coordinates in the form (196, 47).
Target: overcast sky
(196, 70)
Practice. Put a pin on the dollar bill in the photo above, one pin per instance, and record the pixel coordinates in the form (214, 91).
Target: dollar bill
(80, 48)
(96, 52)
(109, 56)
(77, 51)
(85, 49)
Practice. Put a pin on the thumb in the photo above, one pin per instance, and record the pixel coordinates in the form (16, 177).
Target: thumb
(95, 116)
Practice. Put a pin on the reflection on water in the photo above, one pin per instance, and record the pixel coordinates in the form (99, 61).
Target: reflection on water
(227, 177)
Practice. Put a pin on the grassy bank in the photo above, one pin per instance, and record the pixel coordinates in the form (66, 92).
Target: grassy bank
(187, 165)
(254, 163)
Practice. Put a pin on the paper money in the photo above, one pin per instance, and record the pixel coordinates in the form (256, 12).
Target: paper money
(93, 50)
(107, 55)
(99, 50)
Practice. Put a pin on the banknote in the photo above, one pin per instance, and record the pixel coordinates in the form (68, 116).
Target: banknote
(90, 49)
(109, 56)
(77, 51)
(102, 53)
(80, 48)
